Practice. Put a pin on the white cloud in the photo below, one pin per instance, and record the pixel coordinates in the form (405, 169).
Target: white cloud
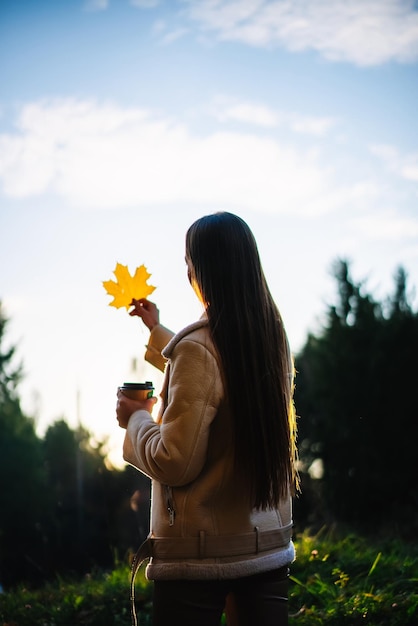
(104, 156)
(145, 4)
(389, 226)
(102, 5)
(405, 166)
(363, 32)
(166, 33)
(226, 109)
(317, 126)
(96, 5)
(173, 35)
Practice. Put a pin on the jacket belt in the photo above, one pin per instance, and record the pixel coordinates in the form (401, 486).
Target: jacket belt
(206, 547)
(216, 546)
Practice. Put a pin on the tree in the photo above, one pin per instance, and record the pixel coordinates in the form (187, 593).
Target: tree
(61, 507)
(74, 469)
(89, 504)
(356, 396)
(21, 476)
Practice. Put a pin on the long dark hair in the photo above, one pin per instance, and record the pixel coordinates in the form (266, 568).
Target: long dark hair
(249, 335)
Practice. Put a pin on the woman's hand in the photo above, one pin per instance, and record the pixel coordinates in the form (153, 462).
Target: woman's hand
(147, 311)
(126, 406)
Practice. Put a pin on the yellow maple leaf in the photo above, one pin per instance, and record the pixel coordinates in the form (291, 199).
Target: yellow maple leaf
(127, 287)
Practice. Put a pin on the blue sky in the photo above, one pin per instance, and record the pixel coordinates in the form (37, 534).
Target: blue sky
(123, 121)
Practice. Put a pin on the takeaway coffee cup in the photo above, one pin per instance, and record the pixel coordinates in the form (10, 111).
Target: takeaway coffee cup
(138, 391)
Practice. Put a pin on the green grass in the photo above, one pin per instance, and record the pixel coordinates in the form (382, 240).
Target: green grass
(99, 599)
(350, 580)
(337, 580)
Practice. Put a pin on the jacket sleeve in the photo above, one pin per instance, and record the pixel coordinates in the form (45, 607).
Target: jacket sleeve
(159, 338)
(174, 451)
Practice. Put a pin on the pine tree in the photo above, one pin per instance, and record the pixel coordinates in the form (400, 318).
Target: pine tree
(356, 395)
(21, 476)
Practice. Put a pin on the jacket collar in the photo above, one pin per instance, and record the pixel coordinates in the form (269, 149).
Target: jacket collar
(183, 333)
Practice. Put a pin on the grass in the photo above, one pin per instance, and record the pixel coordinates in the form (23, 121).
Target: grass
(350, 580)
(99, 599)
(337, 580)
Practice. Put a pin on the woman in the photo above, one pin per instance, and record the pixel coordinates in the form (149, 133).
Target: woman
(221, 454)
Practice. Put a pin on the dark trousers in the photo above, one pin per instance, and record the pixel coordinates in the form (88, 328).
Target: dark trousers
(260, 600)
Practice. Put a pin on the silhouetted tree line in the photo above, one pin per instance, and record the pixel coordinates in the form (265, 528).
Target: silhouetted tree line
(63, 509)
(356, 394)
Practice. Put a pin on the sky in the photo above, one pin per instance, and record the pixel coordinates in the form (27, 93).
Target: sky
(123, 121)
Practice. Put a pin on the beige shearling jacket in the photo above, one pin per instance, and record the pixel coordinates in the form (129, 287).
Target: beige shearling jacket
(201, 524)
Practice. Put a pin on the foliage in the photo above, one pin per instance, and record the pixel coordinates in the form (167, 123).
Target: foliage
(61, 508)
(99, 599)
(21, 507)
(356, 397)
(128, 287)
(337, 580)
(93, 509)
(349, 579)
(10, 374)
(81, 492)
